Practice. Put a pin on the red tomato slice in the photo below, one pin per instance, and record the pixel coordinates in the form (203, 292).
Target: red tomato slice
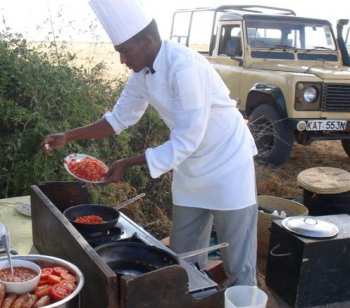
(53, 279)
(68, 284)
(46, 271)
(68, 277)
(58, 270)
(59, 291)
(43, 280)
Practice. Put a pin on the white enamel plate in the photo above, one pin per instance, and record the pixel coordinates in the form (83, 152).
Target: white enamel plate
(78, 157)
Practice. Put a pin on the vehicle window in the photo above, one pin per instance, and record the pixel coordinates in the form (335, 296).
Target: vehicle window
(318, 36)
(264, 37)
(230, 40)
(296, 35)
(201, 31)
(181, 24)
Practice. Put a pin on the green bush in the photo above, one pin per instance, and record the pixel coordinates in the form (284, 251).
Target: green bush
(41, 92)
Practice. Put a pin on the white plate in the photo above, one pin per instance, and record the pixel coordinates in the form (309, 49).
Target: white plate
(24, 209)
(78, 157)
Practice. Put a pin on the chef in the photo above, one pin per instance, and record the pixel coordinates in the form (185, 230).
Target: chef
(209, 150)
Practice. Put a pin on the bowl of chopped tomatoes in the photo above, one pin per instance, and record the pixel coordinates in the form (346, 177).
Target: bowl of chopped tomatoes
(59, 285)
(85, 168)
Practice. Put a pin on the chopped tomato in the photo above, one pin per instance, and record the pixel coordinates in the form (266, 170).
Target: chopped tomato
(59, 291)
(89, 219)
(53, 279)
(58, 270)
(43, 281)
(68, 284)
(42, 290)
(46, 271)
(88, 168)
(69, 277)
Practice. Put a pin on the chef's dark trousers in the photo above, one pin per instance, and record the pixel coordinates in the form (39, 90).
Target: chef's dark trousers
(192, 229)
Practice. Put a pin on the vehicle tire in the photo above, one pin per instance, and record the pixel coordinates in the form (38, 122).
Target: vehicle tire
(272, 135)
(346, 146)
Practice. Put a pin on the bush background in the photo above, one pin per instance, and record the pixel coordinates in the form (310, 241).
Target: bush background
(43, 90)
(51, 87)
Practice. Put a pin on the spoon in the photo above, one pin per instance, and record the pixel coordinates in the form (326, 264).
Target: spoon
(129, 201)
(5, 239)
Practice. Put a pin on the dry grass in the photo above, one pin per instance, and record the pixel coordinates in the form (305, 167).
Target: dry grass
(91, 54)
(282, 181)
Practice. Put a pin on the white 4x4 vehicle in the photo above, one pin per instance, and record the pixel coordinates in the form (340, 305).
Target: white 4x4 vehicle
(289, 75)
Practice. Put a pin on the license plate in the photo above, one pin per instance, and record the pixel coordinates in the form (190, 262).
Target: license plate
(317, 125)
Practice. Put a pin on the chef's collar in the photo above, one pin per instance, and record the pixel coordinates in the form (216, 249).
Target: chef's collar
(157, 61)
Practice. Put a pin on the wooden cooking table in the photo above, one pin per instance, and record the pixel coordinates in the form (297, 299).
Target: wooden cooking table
(20, 228)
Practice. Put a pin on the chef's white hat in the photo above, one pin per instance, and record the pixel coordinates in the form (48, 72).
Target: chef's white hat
(121, 19)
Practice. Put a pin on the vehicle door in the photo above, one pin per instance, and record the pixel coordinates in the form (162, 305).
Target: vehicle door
(227, 56)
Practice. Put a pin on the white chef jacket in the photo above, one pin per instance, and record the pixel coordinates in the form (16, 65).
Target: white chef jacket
(210, 148)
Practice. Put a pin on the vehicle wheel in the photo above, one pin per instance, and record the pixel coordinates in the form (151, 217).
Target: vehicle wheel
(346, 146)
(273, 138)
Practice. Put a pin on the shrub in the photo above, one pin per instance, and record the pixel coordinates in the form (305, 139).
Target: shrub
(41, 92)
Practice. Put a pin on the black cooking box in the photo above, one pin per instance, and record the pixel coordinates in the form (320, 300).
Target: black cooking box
(173, 286)
(308, 272)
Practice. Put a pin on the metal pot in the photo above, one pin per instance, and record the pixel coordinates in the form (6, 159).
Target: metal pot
(71, 301)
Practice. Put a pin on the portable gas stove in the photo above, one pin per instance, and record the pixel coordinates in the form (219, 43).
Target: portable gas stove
(180, 285)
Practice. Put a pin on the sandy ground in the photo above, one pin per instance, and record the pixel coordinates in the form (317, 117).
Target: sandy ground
(282, 181)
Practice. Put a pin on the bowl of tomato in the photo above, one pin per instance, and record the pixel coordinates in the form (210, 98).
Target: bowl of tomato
(85, 168)
(59, 285)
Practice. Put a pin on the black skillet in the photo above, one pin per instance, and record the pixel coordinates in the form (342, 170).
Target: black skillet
(109, 215)
(134, 258)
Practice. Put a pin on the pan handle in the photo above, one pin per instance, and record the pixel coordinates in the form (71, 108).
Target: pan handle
(197, 252)
(129, 201)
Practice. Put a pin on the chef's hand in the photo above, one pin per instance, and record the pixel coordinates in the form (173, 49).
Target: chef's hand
(116, 171)
(53, 142)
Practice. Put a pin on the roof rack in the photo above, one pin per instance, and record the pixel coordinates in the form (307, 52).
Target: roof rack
(255, 9)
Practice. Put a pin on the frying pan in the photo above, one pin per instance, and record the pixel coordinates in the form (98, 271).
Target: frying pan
(109, 215)
(137, 258)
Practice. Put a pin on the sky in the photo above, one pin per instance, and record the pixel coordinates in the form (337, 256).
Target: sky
(73, 20)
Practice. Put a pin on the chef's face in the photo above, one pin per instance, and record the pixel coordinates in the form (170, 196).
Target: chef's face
(133, 54)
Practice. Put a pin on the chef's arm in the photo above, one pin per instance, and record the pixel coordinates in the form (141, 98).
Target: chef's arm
(117, 169)
(97, 130)
(135, 160)
(128, 109)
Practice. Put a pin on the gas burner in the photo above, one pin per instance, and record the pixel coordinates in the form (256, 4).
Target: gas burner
(98, 238)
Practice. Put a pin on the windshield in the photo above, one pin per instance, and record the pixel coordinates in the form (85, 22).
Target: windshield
(289, 34)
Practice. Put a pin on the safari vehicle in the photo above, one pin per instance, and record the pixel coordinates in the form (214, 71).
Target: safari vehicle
(289, 75)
